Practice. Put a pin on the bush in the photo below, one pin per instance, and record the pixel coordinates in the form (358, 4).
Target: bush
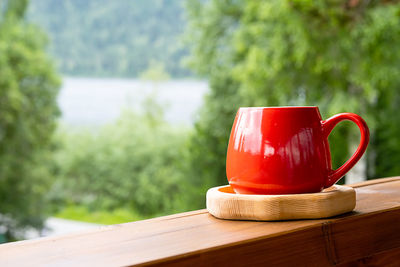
(133, 164)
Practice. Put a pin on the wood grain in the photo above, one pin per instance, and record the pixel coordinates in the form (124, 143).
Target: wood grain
(198, 239)
(223, 203)
(388, 258)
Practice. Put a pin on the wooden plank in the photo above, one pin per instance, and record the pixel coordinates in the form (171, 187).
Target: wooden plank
(388, 258)
(197, 238)
(375, 181)
(360, 236)
(299, 247)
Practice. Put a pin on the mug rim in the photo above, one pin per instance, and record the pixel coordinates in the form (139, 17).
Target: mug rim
(282, 107)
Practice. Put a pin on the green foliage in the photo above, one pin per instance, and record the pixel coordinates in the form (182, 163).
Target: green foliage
(340, 57)
(210, 30)
(133, 165)
(155, 72)
(113, 38)
(28, 90)
(208, 144)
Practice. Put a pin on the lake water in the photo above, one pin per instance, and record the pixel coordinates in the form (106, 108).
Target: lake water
(93, 101)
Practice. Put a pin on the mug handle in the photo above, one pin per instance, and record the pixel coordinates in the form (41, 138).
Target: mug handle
(327, 127)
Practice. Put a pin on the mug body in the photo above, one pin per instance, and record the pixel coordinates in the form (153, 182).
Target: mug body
(278, 150)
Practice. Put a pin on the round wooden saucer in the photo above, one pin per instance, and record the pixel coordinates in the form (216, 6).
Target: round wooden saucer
(224, 203)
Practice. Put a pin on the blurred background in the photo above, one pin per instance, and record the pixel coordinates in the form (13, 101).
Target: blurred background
(115, 111)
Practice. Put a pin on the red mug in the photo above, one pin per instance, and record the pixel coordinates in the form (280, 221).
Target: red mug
(285, 150)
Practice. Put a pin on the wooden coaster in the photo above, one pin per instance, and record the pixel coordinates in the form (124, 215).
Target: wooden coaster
(224, 203)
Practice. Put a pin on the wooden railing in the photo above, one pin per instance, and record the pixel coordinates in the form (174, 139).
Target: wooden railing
(369, 235)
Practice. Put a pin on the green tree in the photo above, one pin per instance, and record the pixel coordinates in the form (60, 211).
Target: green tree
(210, 32)
(28, 90)
(341, 56)
(113, 38)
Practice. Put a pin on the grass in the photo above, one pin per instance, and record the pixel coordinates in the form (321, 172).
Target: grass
(81, 213)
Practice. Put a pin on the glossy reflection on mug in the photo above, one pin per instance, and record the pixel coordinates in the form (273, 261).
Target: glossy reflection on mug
(285, 150)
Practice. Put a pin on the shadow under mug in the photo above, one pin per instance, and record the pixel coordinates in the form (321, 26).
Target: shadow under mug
(285, 150)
